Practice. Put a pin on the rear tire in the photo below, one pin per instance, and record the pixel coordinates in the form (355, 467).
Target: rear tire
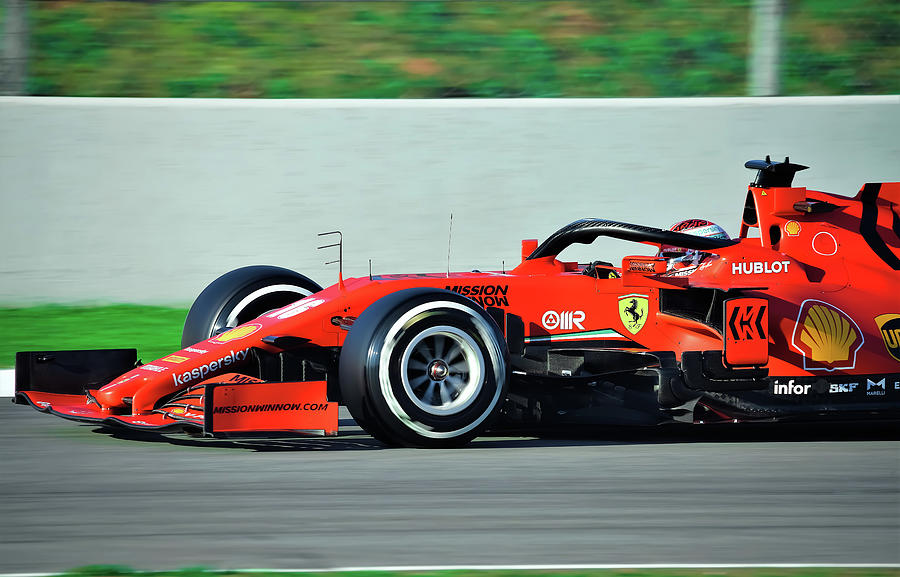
(240, 296)
(424, 368)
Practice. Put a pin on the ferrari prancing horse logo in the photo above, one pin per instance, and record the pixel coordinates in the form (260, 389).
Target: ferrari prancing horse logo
(633, 311)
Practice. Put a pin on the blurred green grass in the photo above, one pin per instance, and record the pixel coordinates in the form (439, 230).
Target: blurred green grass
(432, 49)
(154, 331)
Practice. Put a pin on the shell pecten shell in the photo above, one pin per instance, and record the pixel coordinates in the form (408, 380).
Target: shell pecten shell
(827, 334)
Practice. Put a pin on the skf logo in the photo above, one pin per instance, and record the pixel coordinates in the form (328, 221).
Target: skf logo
(827, 338)
(876, 388)
(564, 320)
(889, 325)
(842, 387)
(790, 388)
(633, 312)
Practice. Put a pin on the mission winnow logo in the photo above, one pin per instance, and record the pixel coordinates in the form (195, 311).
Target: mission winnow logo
(490, 295)
(272, 407)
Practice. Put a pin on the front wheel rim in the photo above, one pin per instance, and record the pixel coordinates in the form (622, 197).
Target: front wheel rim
(442, 370)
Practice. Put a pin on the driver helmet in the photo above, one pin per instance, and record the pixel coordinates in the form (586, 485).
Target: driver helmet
(696, 227)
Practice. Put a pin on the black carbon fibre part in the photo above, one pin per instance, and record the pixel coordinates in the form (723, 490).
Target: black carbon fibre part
(868, 225)
(774, 174)
(585, 231)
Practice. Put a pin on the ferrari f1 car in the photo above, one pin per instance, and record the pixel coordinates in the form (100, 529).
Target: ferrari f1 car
(797, 318)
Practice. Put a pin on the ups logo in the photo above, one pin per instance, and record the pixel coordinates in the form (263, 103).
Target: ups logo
(889, 325)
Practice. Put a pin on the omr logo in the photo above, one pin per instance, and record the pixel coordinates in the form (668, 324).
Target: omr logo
(889, 325)
(826, 336)
(565, 320)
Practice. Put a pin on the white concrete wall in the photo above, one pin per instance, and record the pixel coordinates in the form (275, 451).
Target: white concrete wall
(149, 200)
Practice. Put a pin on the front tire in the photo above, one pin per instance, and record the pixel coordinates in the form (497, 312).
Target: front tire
(424, 368)
(240, 296)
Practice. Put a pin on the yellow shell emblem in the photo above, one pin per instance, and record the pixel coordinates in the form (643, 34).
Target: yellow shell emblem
(792, 228)
(827, 334)
(236, 333)
(827, 337)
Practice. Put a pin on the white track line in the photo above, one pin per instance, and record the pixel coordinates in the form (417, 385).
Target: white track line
(7, 382)
(610, 567)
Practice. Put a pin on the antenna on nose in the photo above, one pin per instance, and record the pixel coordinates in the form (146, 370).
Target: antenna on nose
(449, 237)
(340, 259)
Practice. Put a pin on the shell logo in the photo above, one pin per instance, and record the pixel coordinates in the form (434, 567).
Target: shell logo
(826, 336)
(177, 410)
(792, 228)
(236, 333)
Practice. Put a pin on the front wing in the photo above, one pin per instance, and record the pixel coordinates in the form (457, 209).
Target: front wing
(227, 404)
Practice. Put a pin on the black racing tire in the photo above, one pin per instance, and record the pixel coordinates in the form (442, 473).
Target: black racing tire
(424, 368)
(240, 296)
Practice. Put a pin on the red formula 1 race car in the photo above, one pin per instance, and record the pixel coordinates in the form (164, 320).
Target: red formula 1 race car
(796, 319)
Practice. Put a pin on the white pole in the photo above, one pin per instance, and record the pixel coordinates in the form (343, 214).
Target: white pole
(13, 65)
(765, 48)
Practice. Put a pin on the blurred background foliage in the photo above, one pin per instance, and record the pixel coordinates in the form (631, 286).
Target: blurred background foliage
(424, 49)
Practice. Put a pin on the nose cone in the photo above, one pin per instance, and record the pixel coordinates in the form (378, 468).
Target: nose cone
(113, 395)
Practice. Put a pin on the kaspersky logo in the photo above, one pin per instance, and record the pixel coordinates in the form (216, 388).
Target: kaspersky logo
(889, 325)
(826, 336)
(202, 371)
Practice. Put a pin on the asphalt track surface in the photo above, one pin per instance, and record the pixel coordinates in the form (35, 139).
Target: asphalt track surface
(76, 496)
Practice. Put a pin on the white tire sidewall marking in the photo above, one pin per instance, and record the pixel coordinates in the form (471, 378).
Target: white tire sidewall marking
(258, 293)
(487, 337)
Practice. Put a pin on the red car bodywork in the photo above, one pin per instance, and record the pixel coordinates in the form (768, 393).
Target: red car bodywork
(801, 320)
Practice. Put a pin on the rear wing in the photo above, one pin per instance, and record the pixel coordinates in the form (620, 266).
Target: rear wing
(773, 174)
(586, 231)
